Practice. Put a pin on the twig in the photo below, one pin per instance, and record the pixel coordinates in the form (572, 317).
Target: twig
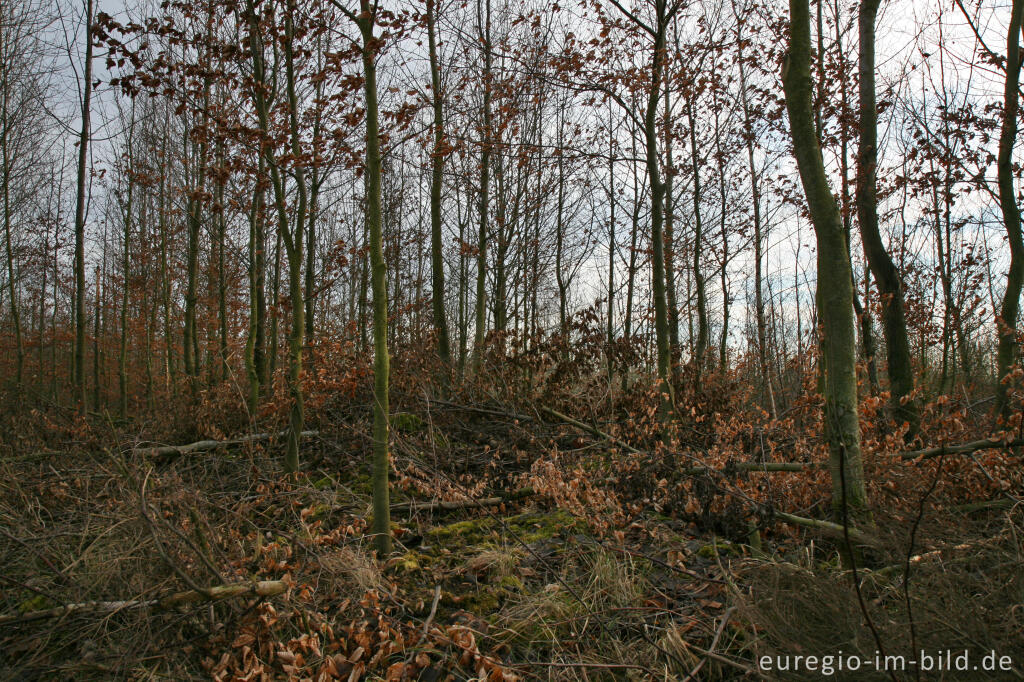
(714, 643)
(433, 610)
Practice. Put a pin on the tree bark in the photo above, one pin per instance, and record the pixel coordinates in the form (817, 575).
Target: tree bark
(890, 285)
(755, 195)
(436, 176)
(835, 287)
(1010, 308)
(83, 154)
(485, 174)
(381, 459)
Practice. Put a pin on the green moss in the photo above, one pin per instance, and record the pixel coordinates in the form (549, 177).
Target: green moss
(405, 422)
(440, 440)
(724, 549)
(479, 533)
(484, 602)
(511, 582)
(36, 603)
(323, 483)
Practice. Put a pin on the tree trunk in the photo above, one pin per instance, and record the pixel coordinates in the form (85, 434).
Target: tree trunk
(755, 194)
(485, 174)
(700, 351)
(670, 241)
(437, 169)
(254, 342)
(1007, 350)
(122, 356)
(381, 463)
(890, 285)
(835, 286)
(83, 154)
(658, 214)
(11, 278)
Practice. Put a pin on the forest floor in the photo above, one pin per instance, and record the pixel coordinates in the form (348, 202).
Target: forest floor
(519, 554)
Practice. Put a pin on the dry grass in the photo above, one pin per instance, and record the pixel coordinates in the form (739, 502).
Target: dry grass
(966, 597)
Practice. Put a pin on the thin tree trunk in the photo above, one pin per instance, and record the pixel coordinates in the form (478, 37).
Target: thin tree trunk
(890, 286)
(611, 248)
(83, 151)
(670, 241)
(703, 333)
(1010, 308)
(835, 286)
(381, 361)
(11, 277)
(122, 356)
(485, 174)
(437, 169)
(254, 342)
(755, 192)
(661, 331)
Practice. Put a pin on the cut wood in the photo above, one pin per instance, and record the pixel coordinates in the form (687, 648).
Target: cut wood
(208, 445)
(263, 588)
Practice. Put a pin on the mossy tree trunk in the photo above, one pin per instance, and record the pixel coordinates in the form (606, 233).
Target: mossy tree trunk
(835, 285)
(381, 528)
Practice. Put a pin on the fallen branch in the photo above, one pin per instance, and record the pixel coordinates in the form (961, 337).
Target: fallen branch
(963, 449)
(208, 445)
(1004, 503)
(483, 410)
(263, 588)
(438, 504)
(460, 504)
(590, 429)
(764, 467)
(829, 528)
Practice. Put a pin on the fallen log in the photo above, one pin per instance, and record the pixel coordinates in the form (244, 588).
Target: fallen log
(208, 445)
(263, 588)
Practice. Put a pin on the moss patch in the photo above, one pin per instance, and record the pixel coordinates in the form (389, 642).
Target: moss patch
(485, 531)
(405, 422)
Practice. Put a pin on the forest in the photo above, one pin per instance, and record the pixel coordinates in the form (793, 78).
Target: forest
(511, 340)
